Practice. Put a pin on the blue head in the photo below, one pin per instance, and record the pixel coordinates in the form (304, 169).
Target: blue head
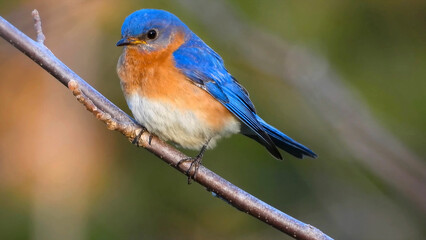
(151, 30)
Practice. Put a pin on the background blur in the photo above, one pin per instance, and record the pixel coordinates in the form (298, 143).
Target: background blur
(346, 78)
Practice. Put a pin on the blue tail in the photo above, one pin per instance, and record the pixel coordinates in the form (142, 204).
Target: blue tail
(285, 142)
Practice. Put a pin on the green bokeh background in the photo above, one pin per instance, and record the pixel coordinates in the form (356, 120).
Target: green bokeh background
(378, 48)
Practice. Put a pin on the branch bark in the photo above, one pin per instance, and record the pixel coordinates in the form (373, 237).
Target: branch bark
(116, 119)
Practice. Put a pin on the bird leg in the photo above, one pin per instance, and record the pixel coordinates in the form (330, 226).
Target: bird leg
(195, 162)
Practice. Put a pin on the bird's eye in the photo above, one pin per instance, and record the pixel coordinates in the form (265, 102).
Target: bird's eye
(152, 34)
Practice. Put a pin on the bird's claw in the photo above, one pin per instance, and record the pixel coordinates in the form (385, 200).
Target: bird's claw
(135, 140)
(195, 164)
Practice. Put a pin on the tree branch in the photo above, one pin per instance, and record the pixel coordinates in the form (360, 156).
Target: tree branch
(116, 119)
(37, 26)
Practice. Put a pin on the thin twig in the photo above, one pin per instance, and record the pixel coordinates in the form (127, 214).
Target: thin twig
(37, 26)
(116, 119)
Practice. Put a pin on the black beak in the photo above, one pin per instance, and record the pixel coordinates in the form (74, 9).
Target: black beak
(123, 42)
(129, 41)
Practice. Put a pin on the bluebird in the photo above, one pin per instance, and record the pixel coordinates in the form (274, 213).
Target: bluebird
(178, 88)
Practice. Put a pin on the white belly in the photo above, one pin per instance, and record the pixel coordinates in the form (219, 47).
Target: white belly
(181, 127)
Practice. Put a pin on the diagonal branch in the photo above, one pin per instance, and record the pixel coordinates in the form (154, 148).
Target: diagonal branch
(116, 119)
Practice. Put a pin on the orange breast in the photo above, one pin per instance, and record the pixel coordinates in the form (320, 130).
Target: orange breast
(155, 76)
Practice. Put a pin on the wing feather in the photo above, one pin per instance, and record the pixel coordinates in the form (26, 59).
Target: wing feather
(206, 69)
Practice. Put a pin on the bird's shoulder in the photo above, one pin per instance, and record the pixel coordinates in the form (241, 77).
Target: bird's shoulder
(202, 65)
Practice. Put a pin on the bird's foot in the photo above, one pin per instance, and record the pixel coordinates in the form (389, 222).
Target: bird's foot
(135, 141)
(195, 163)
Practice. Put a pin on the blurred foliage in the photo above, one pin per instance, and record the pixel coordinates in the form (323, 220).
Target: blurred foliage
(378, 47)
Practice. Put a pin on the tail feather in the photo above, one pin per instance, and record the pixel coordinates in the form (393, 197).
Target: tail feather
(285, 142)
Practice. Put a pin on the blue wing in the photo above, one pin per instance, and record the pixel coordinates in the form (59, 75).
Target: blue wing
(206, 69)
